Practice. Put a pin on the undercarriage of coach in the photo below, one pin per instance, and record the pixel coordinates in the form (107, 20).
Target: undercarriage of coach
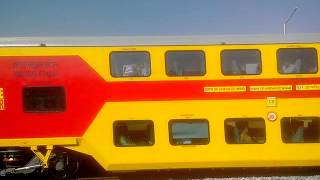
(58, 163)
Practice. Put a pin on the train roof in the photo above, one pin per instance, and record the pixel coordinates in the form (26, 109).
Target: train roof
(160, 40)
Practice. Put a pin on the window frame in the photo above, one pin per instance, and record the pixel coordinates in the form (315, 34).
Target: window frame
(110, 64)
(204, 63)
(279, 68)
(290, 142)
(260, 61)
(248, 119)
(47, 111)
(172, 121)
(115, 143)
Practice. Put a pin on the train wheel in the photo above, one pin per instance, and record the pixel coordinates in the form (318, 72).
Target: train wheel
(62, 165)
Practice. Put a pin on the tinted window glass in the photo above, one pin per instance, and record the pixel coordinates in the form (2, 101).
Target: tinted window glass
(44, 99)
(133, 133)
(297, 61)
(130, 64)
(300, 129)
(245, 131)
(241, 62)
(185, 63)
(186, 132)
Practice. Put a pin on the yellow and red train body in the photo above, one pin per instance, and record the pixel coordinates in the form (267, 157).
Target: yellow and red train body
(95, 100)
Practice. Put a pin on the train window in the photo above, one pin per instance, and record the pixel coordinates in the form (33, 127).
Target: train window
(133, 133)
(189, 132)
(130, 64)
(297, 61)
(300, 129)
(241, 62)
(44, 99)
(245, 131)
(185, 63)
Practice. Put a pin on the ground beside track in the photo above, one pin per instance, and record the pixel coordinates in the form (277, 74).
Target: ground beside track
(221, 174)
(317, 177)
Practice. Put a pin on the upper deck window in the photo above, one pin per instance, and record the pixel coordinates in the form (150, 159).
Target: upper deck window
(241, 62)
(130, 64)
(44, 99)
(297, 61)
(185, 63)
(300, 129)
(189, 131)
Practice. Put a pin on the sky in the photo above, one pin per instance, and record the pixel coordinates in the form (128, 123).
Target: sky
(155, 17)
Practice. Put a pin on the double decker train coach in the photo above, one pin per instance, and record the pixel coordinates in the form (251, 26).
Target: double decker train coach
(152, 103)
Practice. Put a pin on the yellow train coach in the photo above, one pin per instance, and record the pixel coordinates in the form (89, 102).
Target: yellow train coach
(149, 103)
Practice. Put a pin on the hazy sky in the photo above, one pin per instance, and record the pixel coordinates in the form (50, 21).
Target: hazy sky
(155, 17)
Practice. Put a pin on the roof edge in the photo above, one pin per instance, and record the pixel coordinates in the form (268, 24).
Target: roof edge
(159, 40)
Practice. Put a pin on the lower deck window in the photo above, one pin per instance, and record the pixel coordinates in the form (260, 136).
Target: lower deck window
(300, 129)
(187, 132)
(133, 133)
(245, 131)
(44, 99)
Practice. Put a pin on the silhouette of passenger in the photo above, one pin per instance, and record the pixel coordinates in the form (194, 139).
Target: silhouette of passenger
(124, 136)
(292, 67)
(298, 135)
(245, 138)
